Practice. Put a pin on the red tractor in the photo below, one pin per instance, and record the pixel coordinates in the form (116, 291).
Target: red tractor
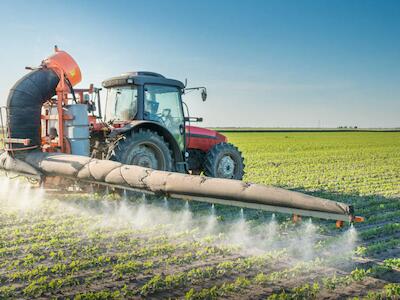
(145, 125)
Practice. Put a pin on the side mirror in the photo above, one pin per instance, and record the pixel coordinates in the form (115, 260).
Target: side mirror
(198, 88)
(204, 94)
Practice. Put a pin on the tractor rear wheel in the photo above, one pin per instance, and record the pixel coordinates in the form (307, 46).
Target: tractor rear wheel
(144, 148)
(224, 160)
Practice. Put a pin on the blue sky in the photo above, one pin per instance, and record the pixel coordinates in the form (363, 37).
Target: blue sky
(265, 63)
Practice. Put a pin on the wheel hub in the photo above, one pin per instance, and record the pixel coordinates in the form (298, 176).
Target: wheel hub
(226, 167)
(144, 157)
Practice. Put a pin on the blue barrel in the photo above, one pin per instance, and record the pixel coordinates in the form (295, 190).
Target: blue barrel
(77, 129)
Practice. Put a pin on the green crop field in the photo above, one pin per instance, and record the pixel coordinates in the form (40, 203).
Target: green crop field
(358, 163)
(109, 245)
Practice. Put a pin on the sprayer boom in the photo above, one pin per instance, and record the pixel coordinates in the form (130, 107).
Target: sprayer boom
(182, 186)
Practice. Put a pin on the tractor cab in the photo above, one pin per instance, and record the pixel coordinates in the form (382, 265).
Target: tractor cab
(146, 96)
(145, 112)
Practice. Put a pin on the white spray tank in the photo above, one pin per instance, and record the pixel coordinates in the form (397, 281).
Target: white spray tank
(77, 129)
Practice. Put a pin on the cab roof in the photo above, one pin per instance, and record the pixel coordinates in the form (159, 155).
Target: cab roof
(141, 78)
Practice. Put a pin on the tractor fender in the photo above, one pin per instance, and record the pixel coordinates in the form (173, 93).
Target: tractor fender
(161, 130)
(202, 138)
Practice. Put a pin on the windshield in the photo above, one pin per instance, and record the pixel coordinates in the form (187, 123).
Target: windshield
(163, 104)
(121, 103)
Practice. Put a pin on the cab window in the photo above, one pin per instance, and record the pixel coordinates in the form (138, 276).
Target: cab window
(121, 103)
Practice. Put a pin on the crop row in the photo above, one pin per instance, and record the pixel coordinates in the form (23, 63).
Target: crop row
(122, 263)
(387, 229)
(389, 291)
(378, 247)
(306, 291)
(40, 282)
(90, 243)
(150, 250)
(162, 282)
(260, 279)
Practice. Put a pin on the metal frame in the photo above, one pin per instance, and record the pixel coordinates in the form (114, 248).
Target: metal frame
(270, 208)
(264, 207)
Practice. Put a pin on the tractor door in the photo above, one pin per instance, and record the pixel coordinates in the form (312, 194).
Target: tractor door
(163, 104)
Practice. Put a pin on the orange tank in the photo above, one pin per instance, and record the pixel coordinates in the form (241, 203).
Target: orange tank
(61, 60)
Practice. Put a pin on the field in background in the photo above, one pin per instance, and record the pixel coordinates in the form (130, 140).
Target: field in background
(105, 245)
(359, 163)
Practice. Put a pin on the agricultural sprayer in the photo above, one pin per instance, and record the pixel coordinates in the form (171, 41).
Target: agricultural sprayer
(145, 142)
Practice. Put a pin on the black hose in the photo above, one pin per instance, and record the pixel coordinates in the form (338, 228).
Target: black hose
(25, 102)
(71, 90)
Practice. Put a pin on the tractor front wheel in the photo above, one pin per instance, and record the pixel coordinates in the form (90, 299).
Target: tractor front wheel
(144, 148)
(224, 160)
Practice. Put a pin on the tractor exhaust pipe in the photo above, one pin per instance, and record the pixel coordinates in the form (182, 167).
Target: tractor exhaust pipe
(176, 185)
